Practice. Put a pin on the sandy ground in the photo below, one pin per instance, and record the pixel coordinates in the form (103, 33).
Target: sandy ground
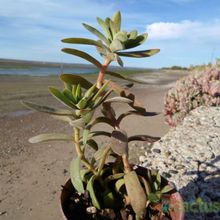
(31, 175)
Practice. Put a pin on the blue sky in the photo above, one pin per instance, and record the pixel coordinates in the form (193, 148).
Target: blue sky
(186, 31)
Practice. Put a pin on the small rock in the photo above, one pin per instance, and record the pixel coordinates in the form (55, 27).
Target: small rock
(166, 175)
(173, 171)
(142, 158)
(156, 150)
(3, 213)
(65, 171)
(91, 210)
(179, 166)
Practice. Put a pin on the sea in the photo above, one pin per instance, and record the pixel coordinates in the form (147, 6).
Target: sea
(46, 71)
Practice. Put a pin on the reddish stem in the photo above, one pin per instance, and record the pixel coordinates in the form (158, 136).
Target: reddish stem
(101, 75)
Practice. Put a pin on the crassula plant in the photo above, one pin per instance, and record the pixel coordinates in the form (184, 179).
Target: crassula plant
(105, 180)
(196, 89)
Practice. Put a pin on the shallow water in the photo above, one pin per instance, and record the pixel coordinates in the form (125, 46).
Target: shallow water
(44, 71)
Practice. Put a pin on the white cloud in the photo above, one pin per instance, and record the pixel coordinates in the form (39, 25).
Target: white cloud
(184, 29)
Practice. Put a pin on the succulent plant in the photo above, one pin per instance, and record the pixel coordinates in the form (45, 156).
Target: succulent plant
(196, 89)
(112, 184)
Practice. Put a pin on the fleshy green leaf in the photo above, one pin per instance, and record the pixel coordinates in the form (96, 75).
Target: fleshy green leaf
(113, 28)
(97, 33)
(75, 175)
(131, 43)
(146, 185)
(139, 54)
(90, 92)
(136, 194)
(82, 41)
(133, 34)
(99, 153)
(153, 198)
(119, 142)
(69, 95)
(167, 189)
(47, 109)
(62, 118)
(100, 120)
(75, 80)
(61, 97)
(116, 45)
(104, 27)
(78, 123)
(50, 137)
(82, 103)
(141, 113)
(122, 36)
(118, 99)
(107, 21)
(101, 90)
(119, 184)
(100, 133)
(136, 104)
(116, 18)
(92, 144)
(113, 177)
(122, 76)
(83, 55)
(101, 99)
(91, 188)
(119, 60)
(85, 136)
(143, 137)
(158, 179)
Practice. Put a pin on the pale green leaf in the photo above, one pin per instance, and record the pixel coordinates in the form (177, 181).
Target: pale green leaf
(83, 55)
(50, 137)
(80, 123)
(82, 41)
(61, 97)
(75, 175)
(119, 184)
(167, 189)
(91, 188)
(122, 76)
(116, 45)
(116, 18)
(104, 27)
(133, 34)
(139, 54)
(131, 43)
(97, 33)
(119, 142)
(136, 194)
(47, 109)
(118, 99)
(75, 80)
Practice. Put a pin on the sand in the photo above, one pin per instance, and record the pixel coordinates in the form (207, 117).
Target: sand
(31, 175)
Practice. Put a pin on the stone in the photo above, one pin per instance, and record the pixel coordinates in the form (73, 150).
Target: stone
(193, 164)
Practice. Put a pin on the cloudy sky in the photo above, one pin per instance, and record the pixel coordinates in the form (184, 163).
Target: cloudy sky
(186, 31)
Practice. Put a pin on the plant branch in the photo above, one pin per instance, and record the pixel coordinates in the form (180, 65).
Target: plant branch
(101, 75)
(80, 152)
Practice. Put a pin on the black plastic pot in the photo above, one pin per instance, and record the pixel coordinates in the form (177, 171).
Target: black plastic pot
(174, 200)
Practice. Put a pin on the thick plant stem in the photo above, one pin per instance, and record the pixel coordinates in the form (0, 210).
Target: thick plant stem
(126, 164)
(101, 75)
(79, 151)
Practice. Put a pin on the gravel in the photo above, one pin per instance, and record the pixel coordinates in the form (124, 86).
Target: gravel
(189, 156)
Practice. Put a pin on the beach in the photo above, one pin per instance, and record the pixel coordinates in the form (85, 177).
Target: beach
(31, 175)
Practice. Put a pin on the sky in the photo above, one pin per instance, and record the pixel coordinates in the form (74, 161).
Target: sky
(186, 31)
